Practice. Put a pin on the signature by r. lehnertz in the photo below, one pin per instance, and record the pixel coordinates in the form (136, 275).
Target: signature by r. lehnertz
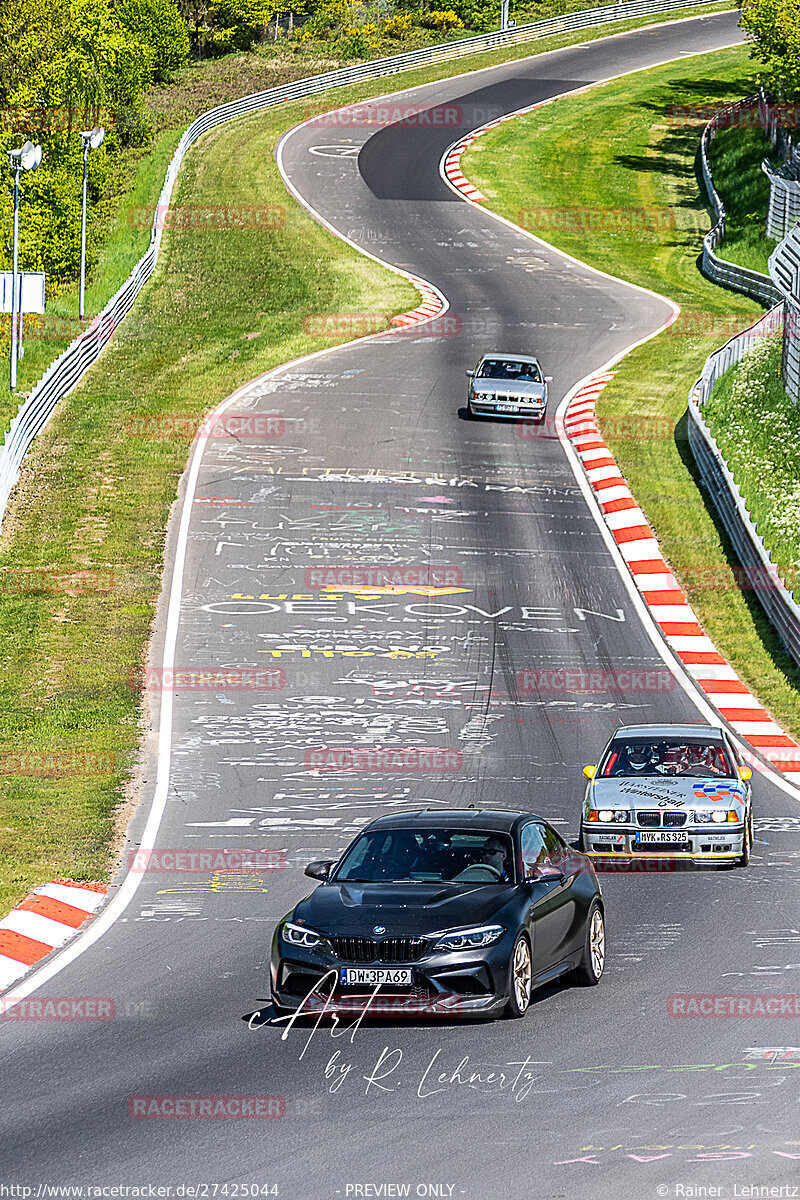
(515, 1078)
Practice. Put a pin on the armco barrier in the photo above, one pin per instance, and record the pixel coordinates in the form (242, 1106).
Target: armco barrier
(784, 196)
(784, 267)
(775, 598)
(728, 274)
(66, 372)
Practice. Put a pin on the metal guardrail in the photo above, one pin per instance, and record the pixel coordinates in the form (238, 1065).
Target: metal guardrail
(775, 598)
(718, 270)
(66, 372)
(784, 196)
(784, 267)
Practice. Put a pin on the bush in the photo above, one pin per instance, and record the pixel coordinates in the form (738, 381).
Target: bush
(159, 24)
(398, 26)
(442, 19)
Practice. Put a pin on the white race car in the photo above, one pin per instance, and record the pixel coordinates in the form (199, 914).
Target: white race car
(669, 791)
(508, 386)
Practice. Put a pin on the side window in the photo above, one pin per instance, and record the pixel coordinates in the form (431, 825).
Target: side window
(534, 850)
(555, 847)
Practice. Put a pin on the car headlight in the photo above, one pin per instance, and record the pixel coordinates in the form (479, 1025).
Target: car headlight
(470, 939)
(298, 935)
(719, 815)
(701, 816)
(606, 815)
(483, 396)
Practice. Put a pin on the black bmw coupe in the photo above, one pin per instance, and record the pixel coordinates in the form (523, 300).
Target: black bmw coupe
(456, 913)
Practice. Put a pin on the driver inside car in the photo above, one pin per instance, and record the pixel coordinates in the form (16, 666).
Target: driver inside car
(494, 855)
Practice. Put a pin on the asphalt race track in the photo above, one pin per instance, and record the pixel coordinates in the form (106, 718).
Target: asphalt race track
(597, 1092)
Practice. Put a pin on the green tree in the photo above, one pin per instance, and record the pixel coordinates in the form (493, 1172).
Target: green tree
(159, 25)
(79, 67)
(774, 28)
(237, 24)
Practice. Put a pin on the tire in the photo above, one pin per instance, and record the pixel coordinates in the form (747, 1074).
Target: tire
(589, 970)
(747, 843)
(520, 975)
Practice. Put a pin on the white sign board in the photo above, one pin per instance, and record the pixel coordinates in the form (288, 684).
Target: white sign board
(32, 291)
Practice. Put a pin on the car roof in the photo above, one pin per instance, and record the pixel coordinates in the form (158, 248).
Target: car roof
(665, 731)
(492, 820)
(526, 358)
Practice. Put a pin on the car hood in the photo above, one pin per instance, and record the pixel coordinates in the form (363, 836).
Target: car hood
(510, 387)
(406, 910)
(665, 791)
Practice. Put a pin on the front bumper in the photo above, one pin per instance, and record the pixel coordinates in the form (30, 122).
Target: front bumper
(519, 412)
(445, 983)
(699, 842)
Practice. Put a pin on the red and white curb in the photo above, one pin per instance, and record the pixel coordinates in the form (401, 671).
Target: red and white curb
(452, 166)
(452, 159)
(42, 922)
(432, 304)
(664, 596)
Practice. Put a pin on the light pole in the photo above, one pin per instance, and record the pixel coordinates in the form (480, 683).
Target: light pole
(27, 158)
(91, 138)
(504, 14)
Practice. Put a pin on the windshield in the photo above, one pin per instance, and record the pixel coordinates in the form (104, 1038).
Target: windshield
(506, 368)
(693, 757)
(435, 854)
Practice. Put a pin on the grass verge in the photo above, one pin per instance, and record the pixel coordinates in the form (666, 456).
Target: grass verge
(625, 159)
(757, 428)
(735, 157)
(222, 307)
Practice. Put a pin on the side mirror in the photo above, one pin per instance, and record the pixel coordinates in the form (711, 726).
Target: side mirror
(319, 869)
(469, 374)
(589, 772)
(543, 873)
(745, 774)
(548, 378)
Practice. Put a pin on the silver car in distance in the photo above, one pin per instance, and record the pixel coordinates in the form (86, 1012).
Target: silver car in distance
(507, 385)
(669, 792)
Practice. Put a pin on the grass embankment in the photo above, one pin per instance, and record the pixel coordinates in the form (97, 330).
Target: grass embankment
(94, 499)
(735, 157)
(626, 158)
(757, 428)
